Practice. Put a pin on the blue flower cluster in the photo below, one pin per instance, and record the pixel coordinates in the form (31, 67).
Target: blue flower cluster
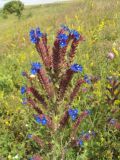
(76, 68)
(35, 67)
(87, 80)
(42, 120)
(23, 89)
(74, 33)
(62, 38)
(35, 35)
(73, 113)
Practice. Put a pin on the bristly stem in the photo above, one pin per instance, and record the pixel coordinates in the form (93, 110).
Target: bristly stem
(34, 106)
(76, 90)
(77, 123)
(74, 46)
(45, 81)
(38, 96)
(64, 120)
(38, 141)
(64, 83)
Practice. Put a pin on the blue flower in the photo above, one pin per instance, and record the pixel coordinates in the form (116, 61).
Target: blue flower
(35, 35)
(87, 136)
(38, 32)
(63, 43)
(73, 117)
(23, 90)
(62, 36)
(87, 80)
(112, 121)
(35, 67)
(38, 120)
(73, 113)
(75, 34)
(81, 143)
(23, 73)
(24, 101)
(44, 121)
(29, 136)
(76, 68)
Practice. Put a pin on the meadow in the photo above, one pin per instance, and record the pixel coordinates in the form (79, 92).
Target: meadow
(99, 23)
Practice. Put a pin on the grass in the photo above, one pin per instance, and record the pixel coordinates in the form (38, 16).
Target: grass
(99, 23)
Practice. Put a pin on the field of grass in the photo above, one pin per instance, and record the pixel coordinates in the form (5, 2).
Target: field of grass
(99, 22)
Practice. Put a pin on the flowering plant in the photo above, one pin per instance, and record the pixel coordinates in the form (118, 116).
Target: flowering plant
(53, 103)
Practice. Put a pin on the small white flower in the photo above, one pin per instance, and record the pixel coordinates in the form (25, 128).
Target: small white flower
(16, 157)
(32, 76)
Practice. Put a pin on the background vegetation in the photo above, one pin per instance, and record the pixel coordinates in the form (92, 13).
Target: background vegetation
(99, 22)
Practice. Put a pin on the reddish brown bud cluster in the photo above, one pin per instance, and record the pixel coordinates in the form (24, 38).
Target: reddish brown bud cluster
(64, 83)
(45, 81)
(34, 106)
(76, 89)
(37, 157)
(38, 141)
(74, 46)
(37, 96)
(42, 49)
(64, 120)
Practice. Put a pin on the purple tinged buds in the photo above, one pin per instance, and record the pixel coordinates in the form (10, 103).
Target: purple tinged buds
(89, 112)
(24, 101)
(87, 80)
(29, 136)
(112, 121)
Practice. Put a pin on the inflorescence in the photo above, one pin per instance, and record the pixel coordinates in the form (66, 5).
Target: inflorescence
(64, 36)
